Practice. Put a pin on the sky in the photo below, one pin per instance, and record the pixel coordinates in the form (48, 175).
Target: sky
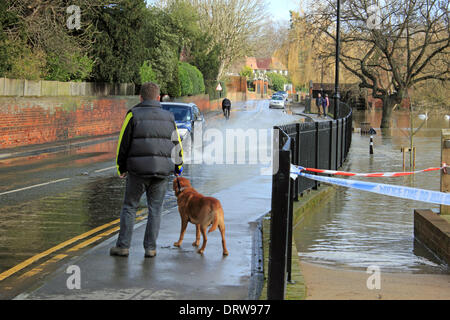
(278, 9)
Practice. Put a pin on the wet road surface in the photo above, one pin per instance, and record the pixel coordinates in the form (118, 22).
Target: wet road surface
(51, 198)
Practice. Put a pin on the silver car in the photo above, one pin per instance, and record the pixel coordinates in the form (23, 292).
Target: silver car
(277, 102)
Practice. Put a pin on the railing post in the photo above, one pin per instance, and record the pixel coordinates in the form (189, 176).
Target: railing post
(330, 148)
(292, 183)
(342, 141)
(316, 158)
(337, 143)
(297, 158)
(276, 284)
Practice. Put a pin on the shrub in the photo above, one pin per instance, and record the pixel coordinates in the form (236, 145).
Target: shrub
(146, 72)
(191, 80)
(276, 81)
(246, 72)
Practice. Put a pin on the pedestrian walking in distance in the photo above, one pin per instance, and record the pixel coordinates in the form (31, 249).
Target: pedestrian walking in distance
(226, 106)
(319, 103)
(325, 105)
(147, 141)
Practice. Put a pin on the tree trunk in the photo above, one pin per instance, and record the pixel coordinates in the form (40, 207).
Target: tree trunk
(388, 104)
(221, 70)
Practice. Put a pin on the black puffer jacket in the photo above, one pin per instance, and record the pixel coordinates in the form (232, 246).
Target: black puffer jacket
(148, 137)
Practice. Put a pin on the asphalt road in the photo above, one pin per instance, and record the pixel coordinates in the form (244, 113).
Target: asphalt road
(62, 209)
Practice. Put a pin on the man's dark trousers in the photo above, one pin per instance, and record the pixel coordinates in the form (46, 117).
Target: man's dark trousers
(155, 189)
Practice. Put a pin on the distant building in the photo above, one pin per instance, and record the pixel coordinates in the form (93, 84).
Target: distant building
(261, 66)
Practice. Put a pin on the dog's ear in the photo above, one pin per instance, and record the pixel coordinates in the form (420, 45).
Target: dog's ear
(186, 182)
(174, 184)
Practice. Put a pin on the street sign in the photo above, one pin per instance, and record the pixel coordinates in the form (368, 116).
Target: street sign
(219, 87)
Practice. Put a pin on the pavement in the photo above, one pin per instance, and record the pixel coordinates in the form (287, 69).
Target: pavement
(299, 109)
(175, 273)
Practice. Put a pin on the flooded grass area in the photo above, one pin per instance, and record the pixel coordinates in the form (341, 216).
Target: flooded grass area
(357, 229)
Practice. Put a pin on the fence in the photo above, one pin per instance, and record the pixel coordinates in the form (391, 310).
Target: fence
(43, 88)
(323, 145)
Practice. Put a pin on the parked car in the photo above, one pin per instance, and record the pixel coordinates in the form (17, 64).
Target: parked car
(282, 93)
(186, 116)
(277, 102)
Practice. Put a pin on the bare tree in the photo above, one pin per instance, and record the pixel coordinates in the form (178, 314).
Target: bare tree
(274, 33)
(390, 45)
(230, 24)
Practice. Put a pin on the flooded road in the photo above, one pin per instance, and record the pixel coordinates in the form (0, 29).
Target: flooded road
(357, 229)
(49, 198)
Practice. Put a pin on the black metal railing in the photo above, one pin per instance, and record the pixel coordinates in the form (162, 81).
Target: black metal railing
(322, 145)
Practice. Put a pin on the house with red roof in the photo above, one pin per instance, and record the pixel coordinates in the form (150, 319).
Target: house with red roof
(261, 66)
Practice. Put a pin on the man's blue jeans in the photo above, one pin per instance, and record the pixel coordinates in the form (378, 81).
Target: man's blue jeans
(155, 189)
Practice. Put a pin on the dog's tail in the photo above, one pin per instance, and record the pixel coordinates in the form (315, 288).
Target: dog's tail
(216, 219)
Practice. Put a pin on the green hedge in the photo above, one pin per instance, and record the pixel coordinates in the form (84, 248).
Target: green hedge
(191, 80)
(276, 81)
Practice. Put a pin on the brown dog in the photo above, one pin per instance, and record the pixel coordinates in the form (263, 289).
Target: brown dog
(199, 210)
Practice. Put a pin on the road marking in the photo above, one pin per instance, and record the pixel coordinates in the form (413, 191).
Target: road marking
(93, 239)
(64, 244)
(50, 182)
(35, 186)
(105, 169)
(98, 237)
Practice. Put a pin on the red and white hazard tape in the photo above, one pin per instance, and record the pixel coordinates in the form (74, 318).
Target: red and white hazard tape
(371, 175)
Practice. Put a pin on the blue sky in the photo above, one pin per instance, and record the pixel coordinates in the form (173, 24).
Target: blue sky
(279, 9)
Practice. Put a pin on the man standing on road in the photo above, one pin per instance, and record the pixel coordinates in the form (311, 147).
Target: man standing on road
(319, 103)
(144, 157)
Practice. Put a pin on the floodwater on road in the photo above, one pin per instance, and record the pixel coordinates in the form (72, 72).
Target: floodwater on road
(356, 229)
(36, 219)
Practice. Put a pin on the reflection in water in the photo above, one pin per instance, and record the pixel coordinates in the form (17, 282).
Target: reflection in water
(356, 229)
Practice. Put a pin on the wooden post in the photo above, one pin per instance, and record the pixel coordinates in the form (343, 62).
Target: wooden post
(445, 158)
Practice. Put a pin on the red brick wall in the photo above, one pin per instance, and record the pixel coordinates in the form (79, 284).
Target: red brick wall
(27, 121)
(236, 84)
(201, 101)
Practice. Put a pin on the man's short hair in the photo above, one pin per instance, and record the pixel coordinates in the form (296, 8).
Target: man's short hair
(149, 91)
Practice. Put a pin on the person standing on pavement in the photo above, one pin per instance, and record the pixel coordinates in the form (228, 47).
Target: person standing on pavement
(325, 105)
(148, 138)
(319, 103)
